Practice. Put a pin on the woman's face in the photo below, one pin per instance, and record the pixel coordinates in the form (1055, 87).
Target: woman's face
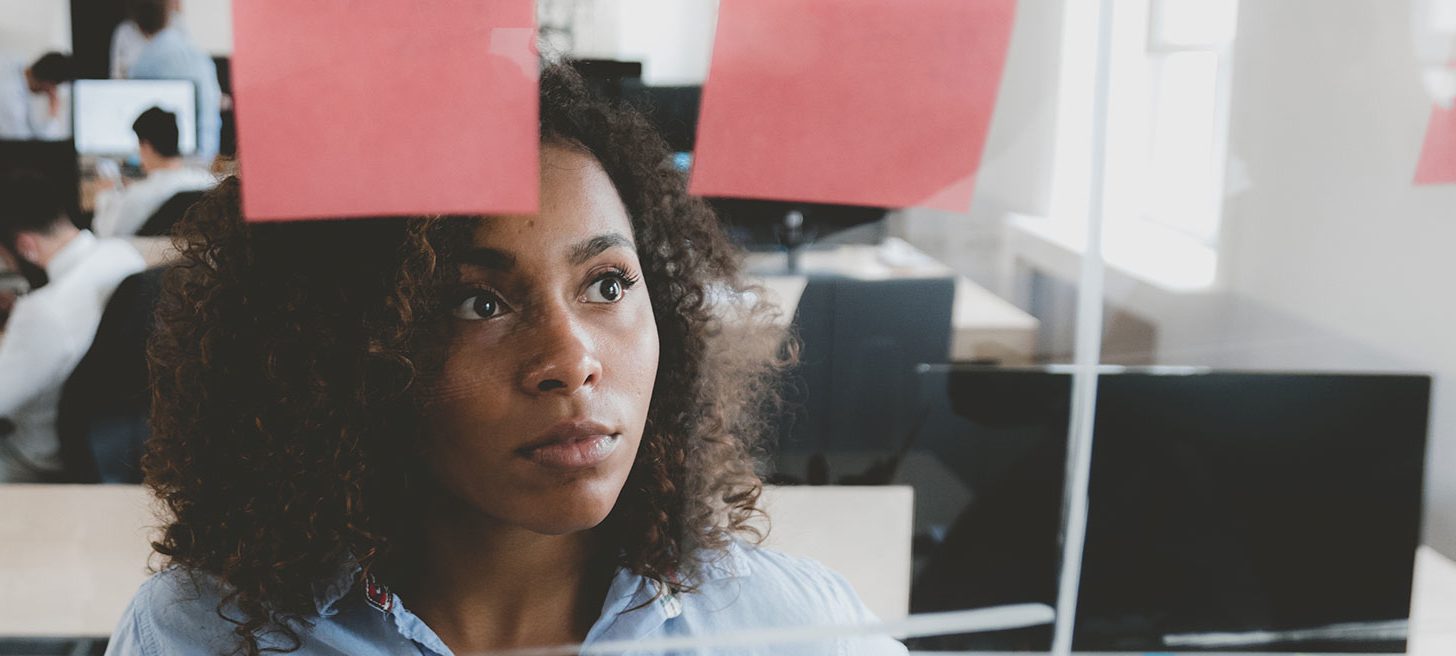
(551, 358)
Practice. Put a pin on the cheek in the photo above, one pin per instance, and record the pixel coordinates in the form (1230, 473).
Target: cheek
(469, 389)
(472, 360)
(638, 359)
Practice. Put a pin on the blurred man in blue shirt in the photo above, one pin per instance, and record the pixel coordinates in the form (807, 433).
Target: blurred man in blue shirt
(169, 55)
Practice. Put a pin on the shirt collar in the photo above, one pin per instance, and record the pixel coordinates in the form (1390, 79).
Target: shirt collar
(629, 591)
(328, 594)
(636, 605)
(71, 255)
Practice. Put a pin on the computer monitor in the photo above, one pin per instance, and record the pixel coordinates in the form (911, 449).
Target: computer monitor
(753, 223)
(104, 111)
(1228, 511)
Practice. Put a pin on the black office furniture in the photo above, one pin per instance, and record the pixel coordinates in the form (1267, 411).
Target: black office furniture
(161, 221)
(855, 387)
(102, 419)
(1251, 505)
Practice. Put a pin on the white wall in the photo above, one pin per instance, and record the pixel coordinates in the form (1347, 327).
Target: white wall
(210, 22)
(1328, 119)
(1329, 260)
(672, 38)
(1016, 164)
(29, 28)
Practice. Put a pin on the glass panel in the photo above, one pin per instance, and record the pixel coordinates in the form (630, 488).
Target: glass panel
(1289, 417)
(1193, 23)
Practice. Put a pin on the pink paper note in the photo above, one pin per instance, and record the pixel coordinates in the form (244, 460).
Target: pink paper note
(862, 102)
(352, 108)
(1438, 155)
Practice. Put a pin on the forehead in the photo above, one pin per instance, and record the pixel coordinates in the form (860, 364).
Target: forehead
(578, 200)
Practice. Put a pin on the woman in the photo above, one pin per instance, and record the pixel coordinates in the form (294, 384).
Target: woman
(529, 429)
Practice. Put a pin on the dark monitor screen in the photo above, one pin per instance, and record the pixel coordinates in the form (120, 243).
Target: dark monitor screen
(673, 110)
(1269, 512)
(56, 160)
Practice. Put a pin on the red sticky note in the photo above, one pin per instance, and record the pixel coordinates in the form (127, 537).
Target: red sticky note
(861, 102)
(378, 107)
(1438, 155)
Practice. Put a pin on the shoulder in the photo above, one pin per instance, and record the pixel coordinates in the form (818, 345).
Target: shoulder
(43, 322)
(187, 178)
(119, 256)
(796, 588)
(38, 313)
(752, 587)
(175, 611)
(163, 48)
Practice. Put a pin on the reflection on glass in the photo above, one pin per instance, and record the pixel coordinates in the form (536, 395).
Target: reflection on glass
(1275, 512)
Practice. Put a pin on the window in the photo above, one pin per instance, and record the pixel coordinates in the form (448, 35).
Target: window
(1167, 130)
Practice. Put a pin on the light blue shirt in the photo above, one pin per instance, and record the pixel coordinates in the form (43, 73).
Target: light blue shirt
(747, 588)
(168, 55)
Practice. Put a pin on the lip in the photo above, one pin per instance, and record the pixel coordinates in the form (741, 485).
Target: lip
(572, 444)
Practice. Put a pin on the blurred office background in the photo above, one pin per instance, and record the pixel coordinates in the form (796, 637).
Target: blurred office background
(1269, 270)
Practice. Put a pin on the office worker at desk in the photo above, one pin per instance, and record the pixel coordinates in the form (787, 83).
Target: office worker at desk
(121, 212)
(49, 329)
(35, 97)
(170, 55)
(447, 435)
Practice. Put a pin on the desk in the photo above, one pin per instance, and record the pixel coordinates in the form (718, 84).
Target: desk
(75, 554)
(984, 325)
(1433, 605)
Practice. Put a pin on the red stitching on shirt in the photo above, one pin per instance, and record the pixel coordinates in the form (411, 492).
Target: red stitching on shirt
(377, 595)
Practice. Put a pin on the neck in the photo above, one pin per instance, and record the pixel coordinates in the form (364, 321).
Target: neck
(52, 244)
(163, 164)
(482, 585)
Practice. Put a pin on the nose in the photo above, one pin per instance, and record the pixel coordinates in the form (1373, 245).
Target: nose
(563, 357)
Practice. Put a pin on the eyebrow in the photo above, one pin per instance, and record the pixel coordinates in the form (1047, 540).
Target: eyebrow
(489, 258)
(499, 260)
(597, 245)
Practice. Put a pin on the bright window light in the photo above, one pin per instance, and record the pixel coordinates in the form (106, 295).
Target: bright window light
(1171, 63)
(1185, 159)
(1193, 23)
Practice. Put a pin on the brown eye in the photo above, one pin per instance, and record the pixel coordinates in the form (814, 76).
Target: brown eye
(608, 289)
(479, 306)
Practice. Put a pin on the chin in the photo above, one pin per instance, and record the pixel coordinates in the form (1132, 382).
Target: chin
(572, 511)
(567, 523)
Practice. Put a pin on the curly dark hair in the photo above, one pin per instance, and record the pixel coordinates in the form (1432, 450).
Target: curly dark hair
(285, 431)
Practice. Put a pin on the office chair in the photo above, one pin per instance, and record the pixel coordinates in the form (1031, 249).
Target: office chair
(855, 389)
(161, 222)
(102, 418)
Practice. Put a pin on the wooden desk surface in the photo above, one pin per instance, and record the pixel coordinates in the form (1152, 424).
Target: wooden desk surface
(71, 556)
(1433, 605)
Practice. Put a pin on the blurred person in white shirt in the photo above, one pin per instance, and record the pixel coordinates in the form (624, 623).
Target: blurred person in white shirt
(121, 212)
(51, 328)
(35, 100)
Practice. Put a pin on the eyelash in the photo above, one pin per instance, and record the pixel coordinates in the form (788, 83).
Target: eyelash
(467, 293)
(622, 273)
(624, 276)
